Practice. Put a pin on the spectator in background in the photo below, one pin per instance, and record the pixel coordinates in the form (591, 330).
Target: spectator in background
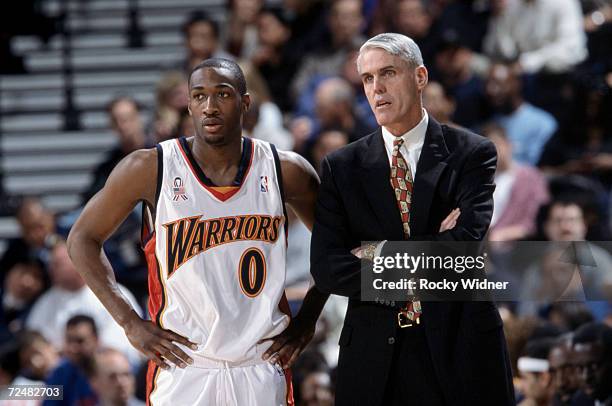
(546, 38)
(112, 379)
(38, 357)
(123, 249)
(452, 69)
(24, 282)
(520, 191)
(316, 389)
(9, 376)
(172, 94)
(127, 124)
(345, 23)
(528, 127)
(275, 57)
(335, 108)
(68, 296)
(241, 35)
(438, 103)
(201, 35)
(37, 228)
(351, 75)
(264, 119)
(553, 278)
(412, 18)
(536, 379)
(541, 34)
(310, 362)
(593, 355)
(327, 142)
(562, 370)
(308, 23)
(81, 343)
(186, 128)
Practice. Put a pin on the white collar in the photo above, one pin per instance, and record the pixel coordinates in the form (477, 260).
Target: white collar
(413, 138)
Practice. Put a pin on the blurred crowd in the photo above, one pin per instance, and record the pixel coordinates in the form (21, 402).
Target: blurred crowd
(534, 76)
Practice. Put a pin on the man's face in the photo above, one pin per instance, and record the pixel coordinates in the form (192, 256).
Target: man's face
(113, 382)
(201, 40)
(62, 271)
(316, 390)
(327, 143)
(127, 122)
(36, 223)
(24, 282)
(39, 358)
(246, 11)
(81, 343)
(501, 86)
(437, 103)
(271, 31)
(588, 357)
(216, 105)
(535, 385)
(563, 371)
(411, 18)
(565, 223)
(392, 87)
(346, 20)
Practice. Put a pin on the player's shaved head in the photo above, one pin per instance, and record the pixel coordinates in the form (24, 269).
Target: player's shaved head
(228, 65)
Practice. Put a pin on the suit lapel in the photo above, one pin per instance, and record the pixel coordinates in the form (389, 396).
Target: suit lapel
(429, 168)
(375, 172)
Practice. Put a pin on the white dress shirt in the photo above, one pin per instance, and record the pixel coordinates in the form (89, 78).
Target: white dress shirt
(413, 143)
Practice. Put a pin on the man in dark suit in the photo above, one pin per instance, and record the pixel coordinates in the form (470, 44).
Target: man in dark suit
(412, 179)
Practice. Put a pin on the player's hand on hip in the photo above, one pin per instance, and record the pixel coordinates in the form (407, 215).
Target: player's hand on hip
(450, 221)
(289, 344)
(158, 344)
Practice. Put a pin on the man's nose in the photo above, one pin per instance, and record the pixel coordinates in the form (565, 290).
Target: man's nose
(379, 86)
(210, 106)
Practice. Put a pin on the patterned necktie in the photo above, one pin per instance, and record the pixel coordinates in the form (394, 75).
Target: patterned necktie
(402, 183)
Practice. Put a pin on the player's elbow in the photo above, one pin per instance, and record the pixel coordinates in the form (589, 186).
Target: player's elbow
(77, 241)
(72, 242)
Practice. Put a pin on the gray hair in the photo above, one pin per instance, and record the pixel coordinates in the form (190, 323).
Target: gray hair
(395, 44)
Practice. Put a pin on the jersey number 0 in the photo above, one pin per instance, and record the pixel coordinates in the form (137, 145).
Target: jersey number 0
(252, 272)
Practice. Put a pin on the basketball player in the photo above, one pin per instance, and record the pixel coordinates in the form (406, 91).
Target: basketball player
(215, 248)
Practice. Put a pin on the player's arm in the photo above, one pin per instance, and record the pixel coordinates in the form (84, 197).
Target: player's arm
(301, 185)
(132, 181)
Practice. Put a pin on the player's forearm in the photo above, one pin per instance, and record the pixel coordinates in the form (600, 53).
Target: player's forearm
(91, 262)
(312, 305)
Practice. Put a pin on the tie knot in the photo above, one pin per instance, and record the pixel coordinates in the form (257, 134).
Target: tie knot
(398, 142)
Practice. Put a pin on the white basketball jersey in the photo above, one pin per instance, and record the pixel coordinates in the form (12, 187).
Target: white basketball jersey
(217, 260)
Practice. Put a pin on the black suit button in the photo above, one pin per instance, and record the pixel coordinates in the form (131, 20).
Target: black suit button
(391, 340)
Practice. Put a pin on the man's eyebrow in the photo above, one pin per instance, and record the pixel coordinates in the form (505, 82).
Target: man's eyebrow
(226, 85)
(379, 70)
(220, 85)
(386, 67)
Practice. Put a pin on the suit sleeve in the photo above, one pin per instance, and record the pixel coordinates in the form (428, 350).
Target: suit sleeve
(333, 267)
(474, 197)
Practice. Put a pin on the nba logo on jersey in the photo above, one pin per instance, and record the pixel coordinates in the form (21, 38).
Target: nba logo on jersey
(178, 190)
(263, 186)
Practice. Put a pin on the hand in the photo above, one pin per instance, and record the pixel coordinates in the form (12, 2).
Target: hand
(288, 345)
(157, 344)
(450, 221)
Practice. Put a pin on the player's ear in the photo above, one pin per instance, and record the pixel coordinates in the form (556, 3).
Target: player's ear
(246, 102)
(189, 109)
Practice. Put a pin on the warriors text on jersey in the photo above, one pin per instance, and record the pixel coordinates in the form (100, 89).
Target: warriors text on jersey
(218, 254)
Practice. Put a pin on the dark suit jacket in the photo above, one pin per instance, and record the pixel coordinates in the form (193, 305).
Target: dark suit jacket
(355, 204)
